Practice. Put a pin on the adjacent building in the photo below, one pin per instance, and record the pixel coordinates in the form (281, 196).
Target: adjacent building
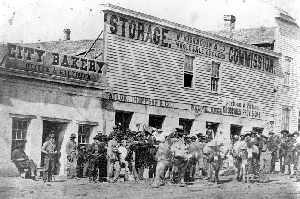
(282, 37)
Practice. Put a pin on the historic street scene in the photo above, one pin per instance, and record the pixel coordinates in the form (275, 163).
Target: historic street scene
(144, 103)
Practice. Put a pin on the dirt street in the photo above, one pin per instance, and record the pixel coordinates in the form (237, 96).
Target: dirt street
(279, 187)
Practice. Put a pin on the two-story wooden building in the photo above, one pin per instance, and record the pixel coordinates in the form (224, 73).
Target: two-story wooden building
(165, 74)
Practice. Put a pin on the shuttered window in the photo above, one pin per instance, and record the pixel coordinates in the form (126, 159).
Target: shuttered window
(188, 76)
(287, 69)
(215, 76)
(285, 118)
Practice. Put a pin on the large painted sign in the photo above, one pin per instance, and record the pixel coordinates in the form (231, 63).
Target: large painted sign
(141, 30)
(241, 108)
(37, 61)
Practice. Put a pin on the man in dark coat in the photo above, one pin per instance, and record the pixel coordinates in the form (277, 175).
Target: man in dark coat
(22, 161)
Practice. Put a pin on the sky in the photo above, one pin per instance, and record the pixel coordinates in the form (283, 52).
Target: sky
(27, 21)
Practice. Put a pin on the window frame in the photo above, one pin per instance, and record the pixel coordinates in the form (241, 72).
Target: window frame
(86, 134)
(211, 76)
(18, 118)
(189, 72)
(287, 71)
(286, 118)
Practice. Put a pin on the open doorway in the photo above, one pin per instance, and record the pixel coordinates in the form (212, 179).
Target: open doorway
(58, 129)
(156, 121)
(124, 118)
(211, 129)
(187, 125)
(235, 130)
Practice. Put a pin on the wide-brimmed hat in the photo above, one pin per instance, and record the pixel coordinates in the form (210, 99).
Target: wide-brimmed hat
(96, 137)
(271, 132)
(295, 133)
(73, 135)
(284, 132)
(115, 127)
(179, 128)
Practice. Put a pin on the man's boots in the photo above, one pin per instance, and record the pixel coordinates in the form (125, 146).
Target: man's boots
(141, 173)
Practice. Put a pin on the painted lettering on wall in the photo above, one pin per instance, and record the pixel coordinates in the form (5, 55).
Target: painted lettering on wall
(39, 61)
(142, 30)
(139, 100)
(241, 108)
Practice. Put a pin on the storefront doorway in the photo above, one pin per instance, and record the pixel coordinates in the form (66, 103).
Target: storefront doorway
(123, 118)
(187, 125)
(211, 129)
(235, 130)
(156, 121)
(58, 129)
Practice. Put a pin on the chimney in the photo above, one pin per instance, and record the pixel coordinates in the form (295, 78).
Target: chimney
(229, 24)
(67, 34)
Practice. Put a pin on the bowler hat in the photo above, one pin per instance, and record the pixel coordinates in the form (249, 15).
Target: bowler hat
(284, 132)
(73, 135)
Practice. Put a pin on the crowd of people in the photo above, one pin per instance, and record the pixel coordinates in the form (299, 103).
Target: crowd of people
(176, 158)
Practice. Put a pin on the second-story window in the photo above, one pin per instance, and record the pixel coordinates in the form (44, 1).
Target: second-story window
(188, 76)
(285, 118)
(215, 76)
(287, 69)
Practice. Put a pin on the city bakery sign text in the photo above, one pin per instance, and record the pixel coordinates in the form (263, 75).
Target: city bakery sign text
(53, 64)
(139, 100)
(142, 30)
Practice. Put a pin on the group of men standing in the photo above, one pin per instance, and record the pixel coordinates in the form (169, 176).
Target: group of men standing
(176, 157)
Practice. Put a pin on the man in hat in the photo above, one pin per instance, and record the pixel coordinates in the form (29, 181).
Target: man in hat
(181, 156)
(22, 161)
(289, 159)
(282, 149)
(273, 147)
(49, 148)
(72, 152)
(92, 157)
(113, 154)
(82, 162)
(115, 131)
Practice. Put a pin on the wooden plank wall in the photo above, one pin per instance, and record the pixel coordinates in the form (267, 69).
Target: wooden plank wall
(147, 70)
(288, 43)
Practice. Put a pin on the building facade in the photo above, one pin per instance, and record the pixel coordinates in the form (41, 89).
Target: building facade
(164, 74)
(282, 37)
(45, 92)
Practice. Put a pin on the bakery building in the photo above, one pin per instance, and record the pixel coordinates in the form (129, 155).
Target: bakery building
(45, 92)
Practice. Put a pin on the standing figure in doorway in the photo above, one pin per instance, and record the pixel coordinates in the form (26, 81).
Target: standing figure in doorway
(49, 149)
(72, 152)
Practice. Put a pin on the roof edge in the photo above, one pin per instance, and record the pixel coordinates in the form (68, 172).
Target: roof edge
(114, 8)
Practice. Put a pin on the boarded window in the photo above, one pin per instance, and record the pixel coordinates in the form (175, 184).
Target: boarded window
(188, 75)
(215, 76)
(287, 69)
(285, 118)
